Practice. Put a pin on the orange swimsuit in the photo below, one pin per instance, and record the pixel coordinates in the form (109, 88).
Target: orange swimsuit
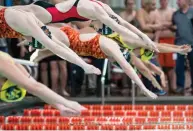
(84, 48)
(5, 30)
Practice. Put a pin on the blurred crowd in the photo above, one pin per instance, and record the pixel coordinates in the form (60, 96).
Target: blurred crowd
(162, 25)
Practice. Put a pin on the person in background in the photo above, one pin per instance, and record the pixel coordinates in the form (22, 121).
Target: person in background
(147, 25)
(145, 20)
(129, 13)
(183, 21)
(163, 15)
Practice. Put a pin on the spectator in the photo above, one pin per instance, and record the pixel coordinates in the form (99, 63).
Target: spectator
(146, 22)
(147, 25)
(129, 13)
(182, 19)
(163, 16)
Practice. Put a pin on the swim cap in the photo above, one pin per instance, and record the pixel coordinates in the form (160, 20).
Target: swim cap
(146, 54)
(10, 92)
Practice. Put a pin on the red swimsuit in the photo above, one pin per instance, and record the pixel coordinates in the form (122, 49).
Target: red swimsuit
(84, 48)
(69, 16)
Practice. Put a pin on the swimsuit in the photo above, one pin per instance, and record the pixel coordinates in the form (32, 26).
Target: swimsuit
(60, 17)
(5, 30)
(10, 92)
(84, 48)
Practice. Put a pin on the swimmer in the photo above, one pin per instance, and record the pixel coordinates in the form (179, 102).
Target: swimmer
(16, 80)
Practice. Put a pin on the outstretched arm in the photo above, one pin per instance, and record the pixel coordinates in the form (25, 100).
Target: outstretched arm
(114, 52)
(122, 21)
(167, 48)
(175, 46)
(144, 70)
(157, 70)
(17, 74)
(132, 38)
(129, 26)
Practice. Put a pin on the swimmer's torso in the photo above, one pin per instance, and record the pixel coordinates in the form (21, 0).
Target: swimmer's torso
(5, 30)
(57, 16)
(84, 48)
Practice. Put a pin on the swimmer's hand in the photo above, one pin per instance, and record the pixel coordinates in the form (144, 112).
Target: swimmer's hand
(162, 78)
(90, 69)
(71, 108)
(184, 49)
(150, 43)
(156, 84)
(67, 112)
(149, 94)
